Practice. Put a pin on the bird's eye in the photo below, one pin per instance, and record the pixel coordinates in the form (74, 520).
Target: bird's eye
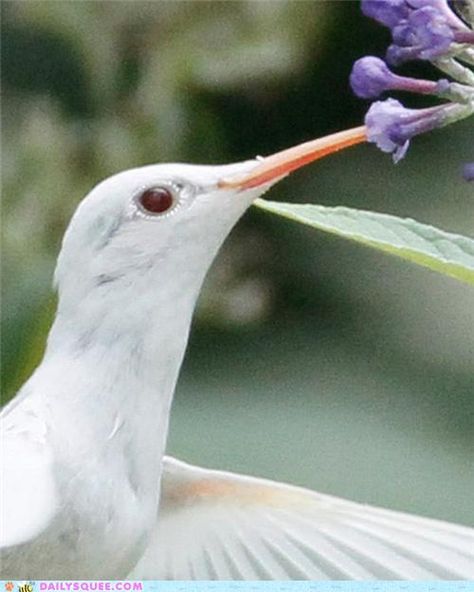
(157, 200)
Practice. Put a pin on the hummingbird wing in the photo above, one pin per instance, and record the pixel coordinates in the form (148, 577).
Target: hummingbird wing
(215, 525)
(28, 499)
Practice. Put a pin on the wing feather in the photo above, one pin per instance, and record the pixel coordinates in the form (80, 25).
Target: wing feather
(314, 544)
(218, 525)
(265, 555)
(440, 559)
(222, 566)
(455, 540)
(28, 496)
(294, 556)
(242, 565)
(380, 560)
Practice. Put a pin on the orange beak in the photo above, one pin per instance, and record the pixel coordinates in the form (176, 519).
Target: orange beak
(284, 162)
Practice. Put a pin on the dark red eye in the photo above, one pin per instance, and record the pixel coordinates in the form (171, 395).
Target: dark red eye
(157, 200)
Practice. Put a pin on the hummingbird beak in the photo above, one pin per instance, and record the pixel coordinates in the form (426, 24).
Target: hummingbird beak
(272, 168)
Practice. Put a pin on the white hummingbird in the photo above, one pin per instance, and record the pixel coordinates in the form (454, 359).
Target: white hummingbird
(83, 442)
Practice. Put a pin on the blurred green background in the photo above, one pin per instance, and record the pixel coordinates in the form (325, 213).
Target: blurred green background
(311, 360)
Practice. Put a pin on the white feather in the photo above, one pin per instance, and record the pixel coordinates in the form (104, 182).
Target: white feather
(27, 487)
(229, 526)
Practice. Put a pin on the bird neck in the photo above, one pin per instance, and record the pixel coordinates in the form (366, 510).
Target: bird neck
(112, 373)
(127, 331)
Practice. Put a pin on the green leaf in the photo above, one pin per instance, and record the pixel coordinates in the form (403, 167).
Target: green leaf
(444, 252)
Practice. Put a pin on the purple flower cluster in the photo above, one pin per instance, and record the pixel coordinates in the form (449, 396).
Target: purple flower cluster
(421, 30)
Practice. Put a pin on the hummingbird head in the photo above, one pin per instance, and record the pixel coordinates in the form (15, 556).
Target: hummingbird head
(143, 227)
(142, 240)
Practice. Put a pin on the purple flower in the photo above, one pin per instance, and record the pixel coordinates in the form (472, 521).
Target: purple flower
(370, 77)
(380, 119)
(391, 126)
(443, 7)
(421, 29)
(386, 12)
(425, 35)
(468, 171)
(430, 31)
